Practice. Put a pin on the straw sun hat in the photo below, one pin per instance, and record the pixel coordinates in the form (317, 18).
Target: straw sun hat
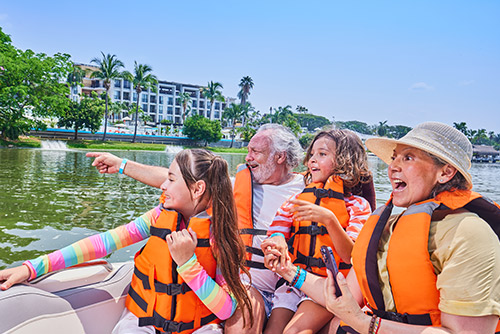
(441, 140)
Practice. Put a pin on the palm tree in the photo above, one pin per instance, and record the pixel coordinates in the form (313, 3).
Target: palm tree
(234, 113)
(142, 80)
(212, 93)
(109, 69)
(246, 84)
(185, 101)
(75, 77)
(301, 110)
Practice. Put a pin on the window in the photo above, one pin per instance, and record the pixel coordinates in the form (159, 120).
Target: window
(217, 115)
(153, 98)
(144, 97)
(134, 97)
(202, 104)
(170, 110)
(208, 104)
(116, 95)
(152, 109)
(161, 99)
(217, 105)
(126, 84)
(169, 118)
(144, 107)
(195, 104)
(118, 83)
(170, 100)
(177, 111)
(75, 90)
(160, 110)
(126, 96)
(160, 118)
(202, 113)
(177, 120)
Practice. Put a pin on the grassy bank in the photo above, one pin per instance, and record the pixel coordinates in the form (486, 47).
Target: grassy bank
(34, 142)
(28, 142)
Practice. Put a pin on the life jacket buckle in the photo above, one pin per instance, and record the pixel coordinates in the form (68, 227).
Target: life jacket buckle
(322, 193)
(315, 230)
(174, 289)
(171, 326)
(395, 316)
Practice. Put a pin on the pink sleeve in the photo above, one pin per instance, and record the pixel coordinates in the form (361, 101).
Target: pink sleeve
(359, 210)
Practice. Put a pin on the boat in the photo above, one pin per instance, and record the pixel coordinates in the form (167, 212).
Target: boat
(87, 298)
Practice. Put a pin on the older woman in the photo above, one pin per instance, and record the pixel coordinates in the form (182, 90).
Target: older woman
(435, 268)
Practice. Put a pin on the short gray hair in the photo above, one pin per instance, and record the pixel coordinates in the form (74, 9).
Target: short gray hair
(283, 140)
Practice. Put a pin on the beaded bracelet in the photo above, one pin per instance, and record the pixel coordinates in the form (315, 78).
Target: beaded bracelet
(296, 277)
(374, 324)
(301, 279)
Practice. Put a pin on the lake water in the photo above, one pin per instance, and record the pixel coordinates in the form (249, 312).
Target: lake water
(51, 198)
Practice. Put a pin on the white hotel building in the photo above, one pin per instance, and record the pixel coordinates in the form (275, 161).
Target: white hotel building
(161, 105)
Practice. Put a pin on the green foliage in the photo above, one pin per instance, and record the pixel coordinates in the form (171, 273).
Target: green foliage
(30, 82)
(246, 84)
(310, 121)
(213, 93)
(185, 102)
(305, 140)
(109, 69)
(84, 114)
(142, 79)
(397, 131)
(357, 126)
(200, 128)
(285, 117)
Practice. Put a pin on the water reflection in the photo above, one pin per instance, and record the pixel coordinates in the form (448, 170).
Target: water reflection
(53, 198)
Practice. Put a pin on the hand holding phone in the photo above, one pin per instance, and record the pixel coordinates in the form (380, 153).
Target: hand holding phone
(331, 265)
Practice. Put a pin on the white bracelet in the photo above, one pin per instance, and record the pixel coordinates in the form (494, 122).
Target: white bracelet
(122, 166)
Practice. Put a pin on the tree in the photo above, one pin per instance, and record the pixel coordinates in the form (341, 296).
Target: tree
(462, 127)
(248, 130)
(301, 110)
(285, 117)
(356, 126)
(235, 113)
(311, 122)
(87, 113)
(246, 84)
(33, 82)
(109, 70)
(75, 77)
(146, 118)
(185, 101)
(382, 128)
(397, 131)
(199, 128)
(305, 140)
(213, 93)
(142, 80)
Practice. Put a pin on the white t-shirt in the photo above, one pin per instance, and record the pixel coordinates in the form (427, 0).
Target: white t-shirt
(267, 200)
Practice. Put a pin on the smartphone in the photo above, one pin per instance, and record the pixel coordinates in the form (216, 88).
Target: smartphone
(331, 265)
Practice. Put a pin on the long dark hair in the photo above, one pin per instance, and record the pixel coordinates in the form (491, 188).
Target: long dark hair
(228, 248)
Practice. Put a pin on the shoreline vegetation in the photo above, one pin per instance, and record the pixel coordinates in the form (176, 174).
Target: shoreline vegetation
(34, 142)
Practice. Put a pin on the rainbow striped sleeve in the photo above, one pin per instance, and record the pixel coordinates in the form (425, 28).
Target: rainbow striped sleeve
(95, 246)
(210, 292)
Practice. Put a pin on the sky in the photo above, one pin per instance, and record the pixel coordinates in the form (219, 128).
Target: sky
(404, 62)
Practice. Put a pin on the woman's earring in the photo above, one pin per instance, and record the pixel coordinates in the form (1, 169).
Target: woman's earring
(440, 180)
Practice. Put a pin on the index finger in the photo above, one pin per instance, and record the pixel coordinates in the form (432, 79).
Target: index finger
(193, 235)
(299, 202)
(93, 154)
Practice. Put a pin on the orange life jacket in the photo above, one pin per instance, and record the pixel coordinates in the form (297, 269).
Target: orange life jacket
(243, 197)
(411, 273)
(308, 237)
(157, 295)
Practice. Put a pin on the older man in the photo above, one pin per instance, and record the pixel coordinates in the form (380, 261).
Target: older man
(260, 188)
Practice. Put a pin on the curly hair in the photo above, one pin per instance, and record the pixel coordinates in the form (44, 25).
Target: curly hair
(283, 140)
(351, 162)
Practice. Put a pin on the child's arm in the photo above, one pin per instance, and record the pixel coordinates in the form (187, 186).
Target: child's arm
(95, 246)
(210, 292)
(359, 210)
(283, 220)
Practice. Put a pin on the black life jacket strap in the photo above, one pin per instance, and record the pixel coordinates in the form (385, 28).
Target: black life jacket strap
(414, 319)
(323, 193)
(253, 231)
(171, 289)
(255, 264)
(163, 232)
(312, 230)
(311, 261)
(254, 250)
(170, 326)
